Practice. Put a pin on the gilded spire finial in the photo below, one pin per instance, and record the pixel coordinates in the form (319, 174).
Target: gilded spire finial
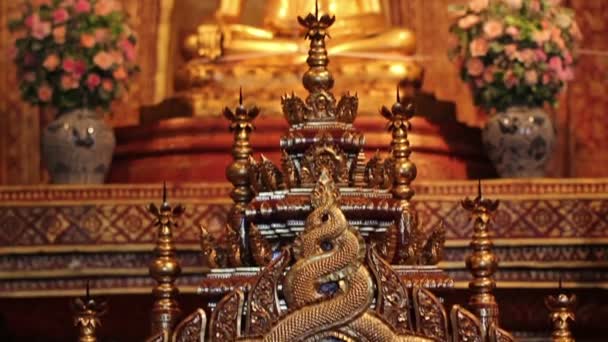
(241, 123)
(482, 263)
(165, 267)
(318, 77)
(561, 314)
(404, 171)
(86, 315)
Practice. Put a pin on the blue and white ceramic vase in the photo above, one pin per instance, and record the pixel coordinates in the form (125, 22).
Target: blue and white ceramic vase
(519, 141)
(77, 148)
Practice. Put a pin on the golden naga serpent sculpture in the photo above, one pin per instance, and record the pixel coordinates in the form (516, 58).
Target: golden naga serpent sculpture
(328, 290)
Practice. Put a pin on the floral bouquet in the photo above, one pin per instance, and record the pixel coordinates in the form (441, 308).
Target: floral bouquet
(73, 53)
(514, 52)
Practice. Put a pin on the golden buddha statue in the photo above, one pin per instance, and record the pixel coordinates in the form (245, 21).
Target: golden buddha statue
(362, 28)
(267, 58)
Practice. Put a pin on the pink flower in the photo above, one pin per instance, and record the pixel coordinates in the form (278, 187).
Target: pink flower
(69, 82)
(40, 29)
(540, 37)
(31, 19)
(510, 79)
(75, 67)
(555, 63)
(101, 35)
(478, 5)
(546, 78)
(107, 85)
(82, 6)
(60, 15)
(59, 33)
(67, 3)
(488, 75)
(566, 74)
(120, 73)
(541, 56)
(475, 67)
(511, 51)
(479, 47)
(103, 60)
(531, 77)
(493, 29)
(513, 32)
(87, 40)
(45, 93)
(514, 4)
(51, 62)
(479, 83)
(535, 5)
(468, 21)
(526, 56)
(128, 49)
(105, 7)
(93, 81)
(117, 57)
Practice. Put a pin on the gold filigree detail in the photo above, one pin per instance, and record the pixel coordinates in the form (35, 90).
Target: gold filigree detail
(431, 320)
(225, 324)
(378, 172)
(432, 251)
(465, 326)
(290, 172)
(324, 155)
(261, 250)
(209, 253)
(192, 328)
(263, 301)
(392, 300)
(265, 176)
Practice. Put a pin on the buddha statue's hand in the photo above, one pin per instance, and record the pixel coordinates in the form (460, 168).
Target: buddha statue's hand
(206, 43)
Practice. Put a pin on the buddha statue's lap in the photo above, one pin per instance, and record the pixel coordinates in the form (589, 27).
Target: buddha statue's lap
(267, 58)
(362, 28)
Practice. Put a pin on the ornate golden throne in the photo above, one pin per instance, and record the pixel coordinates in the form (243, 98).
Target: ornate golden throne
(326, 247)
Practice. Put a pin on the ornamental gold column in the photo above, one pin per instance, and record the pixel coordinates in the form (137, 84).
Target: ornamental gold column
(482, 263)
(238, 173)
(165, 269)
(404, 171)
(86, 316)
(561, 309)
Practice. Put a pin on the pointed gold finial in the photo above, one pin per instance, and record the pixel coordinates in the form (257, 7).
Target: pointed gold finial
(165, 267)
(239, 171)
(482, 263)
(318, 77)
(561, 314)
(87, 312)
(404, 170)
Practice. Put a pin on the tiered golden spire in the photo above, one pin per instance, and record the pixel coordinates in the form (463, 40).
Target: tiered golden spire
(238, 173)
(165, 268)
(561, 309)
(404, 171)
(86, 316)
(482, 263)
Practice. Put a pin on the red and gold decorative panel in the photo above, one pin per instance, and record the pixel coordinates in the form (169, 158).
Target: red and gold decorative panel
(53, 237)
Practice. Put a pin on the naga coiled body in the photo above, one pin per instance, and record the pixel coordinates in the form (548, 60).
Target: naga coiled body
(328, 289)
